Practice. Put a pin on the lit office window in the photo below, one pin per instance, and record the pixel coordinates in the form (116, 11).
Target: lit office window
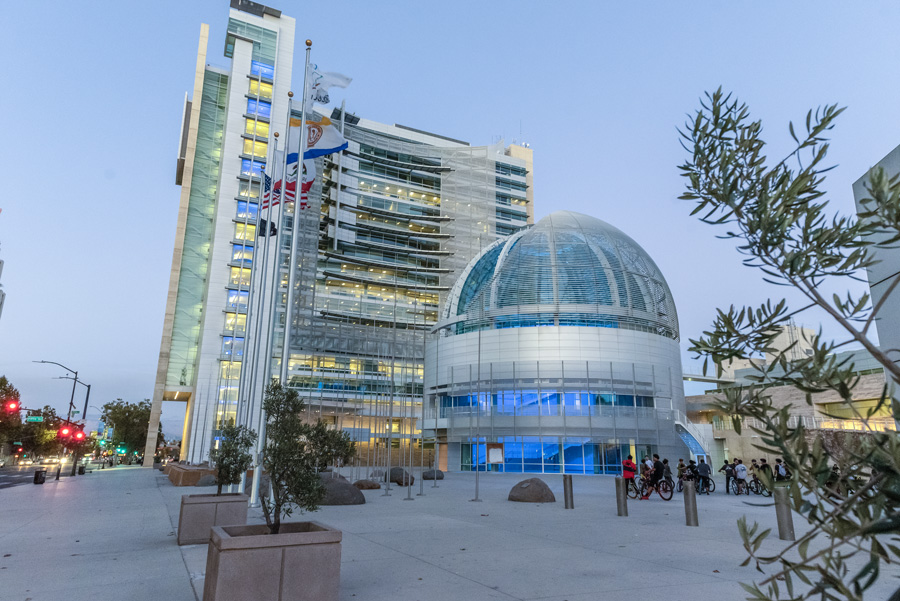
(236, 322)
(252, 168)
(261, 88)
(237, 300)
(242, 255)
(244, 232)
(240, 276)
(232, 347)
(257, 149)
(258, 128)
(247, 210)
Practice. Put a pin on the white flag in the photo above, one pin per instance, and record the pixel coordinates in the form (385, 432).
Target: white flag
(321, 81)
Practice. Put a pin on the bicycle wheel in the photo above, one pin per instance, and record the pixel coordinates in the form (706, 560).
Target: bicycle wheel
(712, 485)
(664, 488)
(765, 491)
(631, 490)
(680, 486)
(735, 487)
(645, 488)
(754, 487)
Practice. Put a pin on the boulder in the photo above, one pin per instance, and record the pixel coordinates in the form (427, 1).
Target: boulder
(206, 480)
(401, 477)
(532, 490)
(338, 491)
(432, 475)
(367, 485)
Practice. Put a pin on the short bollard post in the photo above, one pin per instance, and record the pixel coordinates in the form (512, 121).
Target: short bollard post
(567, 491)
(621, 497)
(783, 513)
(690, 504)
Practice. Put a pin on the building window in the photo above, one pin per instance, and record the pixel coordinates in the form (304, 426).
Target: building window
(261, 108)
(254, 148)
(242, 255)
(252, 127)
(245, 232)
(247, 210)
(262, 70)
(261, 89)
(236, 322)
(237, 300)
(251, 168)
(249, 190)
(232, 347)
(240, 276)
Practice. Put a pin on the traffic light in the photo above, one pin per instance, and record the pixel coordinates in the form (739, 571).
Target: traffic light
(19, 450)
(103, 443)
(11, 405)
(64, 432)
(78, 435)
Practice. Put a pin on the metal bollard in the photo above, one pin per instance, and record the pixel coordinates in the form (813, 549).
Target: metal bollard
(783, 513)
(690, 504)
(567, 491)
(621, 497)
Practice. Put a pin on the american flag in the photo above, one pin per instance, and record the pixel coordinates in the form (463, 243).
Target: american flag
(267, 193)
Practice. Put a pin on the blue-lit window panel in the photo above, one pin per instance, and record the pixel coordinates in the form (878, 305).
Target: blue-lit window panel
(625, 400)
(530, 403)
(512, 456)
(238, 299)
(259, 107)
(506, 403)
(479, 456)
(247, 210)
(532, 455)
(551, 452)
(549, 403)
(593, 458)
(251, 168)
(262, 69)
(232, 347)
(574, 457)
(242, 255)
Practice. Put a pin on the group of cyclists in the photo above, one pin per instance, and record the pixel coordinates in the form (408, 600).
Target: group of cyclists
(656, 475)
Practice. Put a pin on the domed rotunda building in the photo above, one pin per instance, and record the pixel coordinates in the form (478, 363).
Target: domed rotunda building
(558, 346)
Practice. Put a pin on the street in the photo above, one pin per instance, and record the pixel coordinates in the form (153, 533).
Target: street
(14, 475)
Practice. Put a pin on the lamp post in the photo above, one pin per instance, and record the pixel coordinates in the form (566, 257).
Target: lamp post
(75, 381)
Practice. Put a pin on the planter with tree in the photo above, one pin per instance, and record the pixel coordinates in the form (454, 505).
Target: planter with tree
(290, 560)
(199, 513)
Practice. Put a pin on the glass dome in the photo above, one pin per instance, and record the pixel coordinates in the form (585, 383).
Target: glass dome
(568, 270)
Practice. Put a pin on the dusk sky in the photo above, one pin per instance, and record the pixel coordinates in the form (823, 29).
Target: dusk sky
(93, 104)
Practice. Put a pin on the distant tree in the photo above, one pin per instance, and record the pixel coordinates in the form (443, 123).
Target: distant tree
(41, 437)
(232, 457)
(775, 211)
(10, 423)
(130, 422)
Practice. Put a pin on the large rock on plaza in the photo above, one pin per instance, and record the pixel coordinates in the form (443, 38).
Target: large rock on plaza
(400, 477)
(338, 491)
(533, 490)
(367, 485)
(432, 475)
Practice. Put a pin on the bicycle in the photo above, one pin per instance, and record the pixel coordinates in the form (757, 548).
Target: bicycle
(710, 486)
(631, 489)
(663, 488)
(737, 489)
(758, 488)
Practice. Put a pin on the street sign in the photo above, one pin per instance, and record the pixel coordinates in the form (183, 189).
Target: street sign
(17, 443)
(34, 418)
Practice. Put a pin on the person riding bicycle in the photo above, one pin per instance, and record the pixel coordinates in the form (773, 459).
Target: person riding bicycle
(654, 476)
(740, 475)
(667, 472)
(628, 470)
(728, 469)
(703, 472)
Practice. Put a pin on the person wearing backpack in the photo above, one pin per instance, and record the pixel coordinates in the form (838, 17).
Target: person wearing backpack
(728, 468)
(781, 471)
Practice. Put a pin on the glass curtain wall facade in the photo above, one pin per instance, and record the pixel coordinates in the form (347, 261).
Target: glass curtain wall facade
(391, 223)
(561, 344)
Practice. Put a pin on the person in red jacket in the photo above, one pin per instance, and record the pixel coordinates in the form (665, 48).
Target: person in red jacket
(628, 470)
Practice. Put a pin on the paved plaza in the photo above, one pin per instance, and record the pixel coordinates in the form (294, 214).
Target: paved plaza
(111, 535)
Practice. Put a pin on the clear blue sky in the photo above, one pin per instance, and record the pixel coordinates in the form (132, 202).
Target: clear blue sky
(91, 110)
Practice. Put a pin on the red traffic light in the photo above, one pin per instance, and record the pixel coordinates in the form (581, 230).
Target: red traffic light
(64, 432)
(19, 450)
(11, 405)
(78, 435)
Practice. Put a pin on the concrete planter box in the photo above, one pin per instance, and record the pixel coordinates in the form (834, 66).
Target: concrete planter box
(199, 513)
(301, 563)
(182, 475)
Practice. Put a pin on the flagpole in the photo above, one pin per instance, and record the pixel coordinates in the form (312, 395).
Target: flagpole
(289, 306)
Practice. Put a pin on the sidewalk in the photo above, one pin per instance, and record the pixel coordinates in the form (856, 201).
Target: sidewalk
(111, 534)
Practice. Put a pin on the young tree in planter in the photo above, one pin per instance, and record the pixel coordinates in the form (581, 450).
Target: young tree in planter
(776, 213)
(232, 458)
(294, 454)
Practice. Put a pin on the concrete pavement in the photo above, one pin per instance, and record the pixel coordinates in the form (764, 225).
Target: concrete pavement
(111, 534)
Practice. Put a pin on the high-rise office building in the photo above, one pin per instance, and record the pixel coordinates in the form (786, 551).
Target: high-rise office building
(390, 224)
(224, 144)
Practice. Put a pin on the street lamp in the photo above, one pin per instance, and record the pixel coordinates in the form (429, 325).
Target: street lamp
(72, 399)
(75, 381)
